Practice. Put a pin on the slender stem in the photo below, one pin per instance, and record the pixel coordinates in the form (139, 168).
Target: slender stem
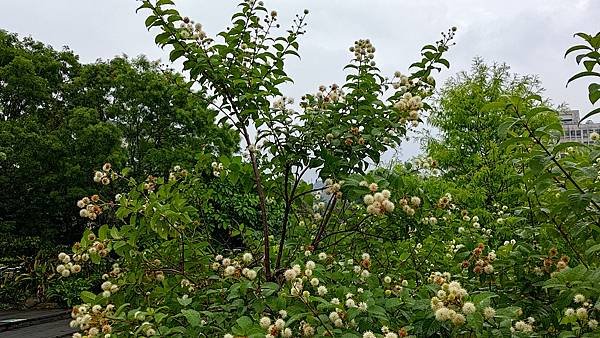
(286, 216)
(263, 209)
(317, 239)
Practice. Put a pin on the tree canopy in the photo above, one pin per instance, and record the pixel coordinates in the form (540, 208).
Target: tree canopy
(60, 119)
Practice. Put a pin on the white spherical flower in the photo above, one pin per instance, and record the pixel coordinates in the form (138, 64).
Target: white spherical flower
(229, 271)
(322, 290)
(441, 314)
(579, 298)
(287, 333)
(310, 265)
(350, 302)
(106, 285)
(581, 313)
(290, 274)
(468, 308)
(265, 322)
(415, 201)
(247, 257)
(593, 324)
(280, 324)
(362, 306)
(369, 334)
(283, 313)
(489, 313)
(251, 274)
(322, 256)
(458, 319)
(365, 273)
(314, 282)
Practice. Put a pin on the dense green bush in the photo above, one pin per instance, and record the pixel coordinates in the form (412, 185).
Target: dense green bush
(493, 233)
(60, 119)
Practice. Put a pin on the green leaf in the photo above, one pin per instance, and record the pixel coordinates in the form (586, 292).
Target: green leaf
(575, 48)
(162, 38)
(589, 65)
(114, 233)
(444, 62)
(150, 20)
(192, 316)
(594, 92)
(184, 301)
(103, 232)
(582, 74)
(592, 113)
(245, 323)
(176, 54)
(88, 297)
(593, 249)
(269, 288)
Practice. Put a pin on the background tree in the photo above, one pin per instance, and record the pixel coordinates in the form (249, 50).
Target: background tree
(469, 148)
(60, 120)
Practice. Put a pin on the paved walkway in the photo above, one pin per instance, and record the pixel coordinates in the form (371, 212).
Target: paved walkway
(35, 324)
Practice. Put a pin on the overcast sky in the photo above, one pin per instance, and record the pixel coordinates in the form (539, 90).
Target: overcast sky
(529, 35)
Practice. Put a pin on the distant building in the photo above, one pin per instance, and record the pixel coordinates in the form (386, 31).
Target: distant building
(575, 132)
